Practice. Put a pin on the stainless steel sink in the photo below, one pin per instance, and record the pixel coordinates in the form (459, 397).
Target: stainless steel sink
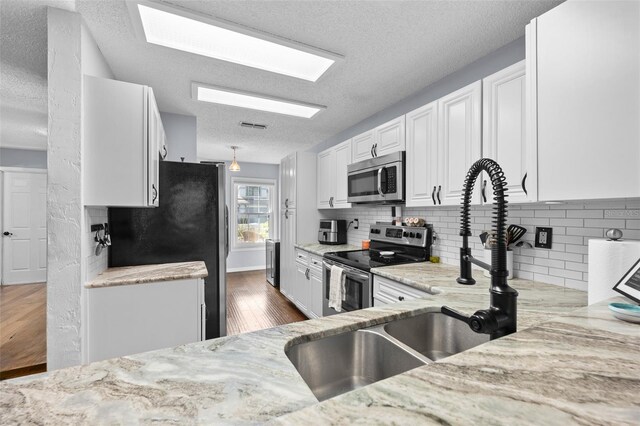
(435, 335)
(338, 364)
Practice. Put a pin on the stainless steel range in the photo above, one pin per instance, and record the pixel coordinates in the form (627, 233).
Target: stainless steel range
(390, 245)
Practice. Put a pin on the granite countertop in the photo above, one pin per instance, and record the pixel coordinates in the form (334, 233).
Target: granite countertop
(142, 274)
(569, 367)
(321, 249)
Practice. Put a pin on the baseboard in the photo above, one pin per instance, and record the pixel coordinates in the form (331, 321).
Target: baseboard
(247, 268)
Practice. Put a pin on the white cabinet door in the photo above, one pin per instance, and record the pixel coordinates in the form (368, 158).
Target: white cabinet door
(122, 130)
(341, 182)
(459, 128)
(129, 319)
(287, 253)
(422, 156)
(504, 131)
(389, 137)
(292, 183)
(588, 100)
(155, 141)
(315, 305)
(326, 178)
(301, 287)
(362, 146)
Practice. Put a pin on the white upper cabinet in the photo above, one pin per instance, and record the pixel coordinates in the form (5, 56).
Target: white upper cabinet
(363, 146)
(587, 74)
(123, 135)
(332, 177)
(389, 137)
(384, 139)
(288, 184)
(343, 159)
(422, 156)
(505, 135)
(459, 141)
(326, 177)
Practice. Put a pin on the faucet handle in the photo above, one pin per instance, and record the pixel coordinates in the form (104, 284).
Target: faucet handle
(455, 314)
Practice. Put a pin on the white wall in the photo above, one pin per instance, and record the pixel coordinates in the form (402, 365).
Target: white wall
(243, 259)
(72, 52)
(565, 264)
(182, 139)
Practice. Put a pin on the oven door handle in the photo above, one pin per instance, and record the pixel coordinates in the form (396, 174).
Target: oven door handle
(348, 269)
(380, 181)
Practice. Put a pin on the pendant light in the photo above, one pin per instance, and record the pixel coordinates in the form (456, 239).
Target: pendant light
(234, 167)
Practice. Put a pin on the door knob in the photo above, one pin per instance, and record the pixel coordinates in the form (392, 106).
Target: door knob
(7, 234)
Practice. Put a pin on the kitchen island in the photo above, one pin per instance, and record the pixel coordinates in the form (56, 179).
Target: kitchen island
(563, 366)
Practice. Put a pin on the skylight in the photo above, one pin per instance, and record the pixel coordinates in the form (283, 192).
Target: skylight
(219, 95)
(182, 30)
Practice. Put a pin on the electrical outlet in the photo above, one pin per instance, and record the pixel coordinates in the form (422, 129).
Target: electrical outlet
(356, 223)
(543, 237)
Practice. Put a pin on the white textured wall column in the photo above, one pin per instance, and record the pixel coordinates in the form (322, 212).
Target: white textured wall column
(64, 199)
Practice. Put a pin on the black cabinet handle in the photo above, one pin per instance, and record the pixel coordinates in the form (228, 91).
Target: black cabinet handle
(484, 187)
(306, 273)
(164, 148)
(371, 151)
(438, 195)
(433, 195)
(155, 193)
(401, 298)
(524, 187)
(7, 234)
(286, 214)
(286, 203)
(375, 149)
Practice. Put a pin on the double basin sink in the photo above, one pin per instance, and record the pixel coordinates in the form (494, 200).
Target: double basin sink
(334, 365)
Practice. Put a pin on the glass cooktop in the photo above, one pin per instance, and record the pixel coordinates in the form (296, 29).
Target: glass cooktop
(367, 259)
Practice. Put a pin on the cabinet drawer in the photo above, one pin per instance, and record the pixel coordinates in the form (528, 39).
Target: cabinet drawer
(386, 289)
(302, 257)
(315, 263)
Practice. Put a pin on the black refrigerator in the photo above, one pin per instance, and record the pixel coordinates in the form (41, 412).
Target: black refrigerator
(190, 224)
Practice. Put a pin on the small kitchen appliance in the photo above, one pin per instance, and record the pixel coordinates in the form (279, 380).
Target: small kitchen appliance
(332, 231)
(379, 180)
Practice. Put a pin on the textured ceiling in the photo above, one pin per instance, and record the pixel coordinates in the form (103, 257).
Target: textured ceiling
(23, 72)
(391, 48)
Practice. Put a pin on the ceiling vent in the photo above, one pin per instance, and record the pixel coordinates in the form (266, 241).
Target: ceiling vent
(253, 125)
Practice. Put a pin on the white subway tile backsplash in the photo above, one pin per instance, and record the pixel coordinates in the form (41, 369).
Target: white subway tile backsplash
(574, 224)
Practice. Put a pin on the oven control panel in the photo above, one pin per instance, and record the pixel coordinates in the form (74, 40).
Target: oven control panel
(406, 235)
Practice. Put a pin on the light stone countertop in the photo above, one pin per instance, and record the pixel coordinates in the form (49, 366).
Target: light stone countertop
(128, 275)
(320, 249)
(570, 367)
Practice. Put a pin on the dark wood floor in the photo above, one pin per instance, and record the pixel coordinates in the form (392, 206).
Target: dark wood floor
(23, 329)
(253, 304)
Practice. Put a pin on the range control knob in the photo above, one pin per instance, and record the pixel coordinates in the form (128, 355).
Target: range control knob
(411, 235)
(418, 235)
(405, 234)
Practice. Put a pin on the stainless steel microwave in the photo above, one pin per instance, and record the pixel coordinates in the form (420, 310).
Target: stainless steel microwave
(377, 180)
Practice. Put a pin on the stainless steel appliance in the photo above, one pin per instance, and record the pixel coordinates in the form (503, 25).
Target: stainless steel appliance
(378, 180)
(191, 223)
(390, 245)
(273, 262)
(332, 231)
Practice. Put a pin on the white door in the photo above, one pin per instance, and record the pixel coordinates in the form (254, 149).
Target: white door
(24, 239)
(459, 127)
(389, 137)
(422, 156)
(326, 178)
(341, 184)
(504, 130)
(362, 146)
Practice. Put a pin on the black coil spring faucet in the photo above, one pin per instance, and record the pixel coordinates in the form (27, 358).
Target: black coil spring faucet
(501, 318)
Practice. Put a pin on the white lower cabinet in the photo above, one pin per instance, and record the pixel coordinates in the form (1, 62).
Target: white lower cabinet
(129, 319)
(386, 291)
(306, 287)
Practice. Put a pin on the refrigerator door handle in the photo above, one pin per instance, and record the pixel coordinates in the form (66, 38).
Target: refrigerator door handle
(226, 229)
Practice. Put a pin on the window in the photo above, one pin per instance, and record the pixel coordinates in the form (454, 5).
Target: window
(253, 205)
